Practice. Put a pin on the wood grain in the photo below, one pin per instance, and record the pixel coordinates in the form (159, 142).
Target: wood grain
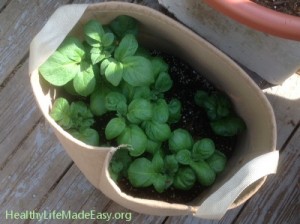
(19, 113)
(26, 18)
(285, 100)
(32, 172)
(279, 200)
(36, 173)
(72, 193)
(3, 4)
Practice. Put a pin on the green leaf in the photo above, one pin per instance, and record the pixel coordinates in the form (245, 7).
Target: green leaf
(114, 128)
(205, 175)
(98, 55)
(97, 102)
(159, 182)
(122, 108)
(141, 92)
(159, 65)
(137, 71)
(60, 112)
(171, 164)
(127, 47)
(119, 163)
(93, 33)
(163, 82)
(60, 108)
(116, 166)
(113, 175)
(112, 100)
(104, 64)
(152, 146)
(69, 88)
(72, 48)
(141, 173)
(180, 139)
(80, 115)
(108, 39)
(224, 106)
(88, 136)
(184, 157)
(135, 137)
(217, 161)
(217, 106)
(76, 116)
(123, 25)
(203, 149)
(228, 126)
(174, 111)
(185, 179)
(85, 81)
(64, 64)
(210, 105)
(158, 162)
(161, 111)
(200, 97)
(114, 72)
(139, 110)
(127, 90)
(157, 131)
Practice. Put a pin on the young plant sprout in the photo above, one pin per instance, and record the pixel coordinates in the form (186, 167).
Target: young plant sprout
(109, 75)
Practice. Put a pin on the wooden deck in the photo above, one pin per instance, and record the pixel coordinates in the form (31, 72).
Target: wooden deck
(36, 174)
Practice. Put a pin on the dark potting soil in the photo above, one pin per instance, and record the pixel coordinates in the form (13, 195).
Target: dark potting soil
(186, 82)
(291, 7)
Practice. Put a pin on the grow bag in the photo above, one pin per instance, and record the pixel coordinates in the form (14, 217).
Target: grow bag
(255, 155)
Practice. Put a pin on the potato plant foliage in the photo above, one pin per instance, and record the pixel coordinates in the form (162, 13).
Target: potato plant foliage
(109, 72)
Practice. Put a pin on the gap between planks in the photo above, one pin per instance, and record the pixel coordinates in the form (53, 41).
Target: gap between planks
(277, 201)
(284, 143)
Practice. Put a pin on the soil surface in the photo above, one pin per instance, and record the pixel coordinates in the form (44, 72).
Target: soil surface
(186, 82)
(291, 7)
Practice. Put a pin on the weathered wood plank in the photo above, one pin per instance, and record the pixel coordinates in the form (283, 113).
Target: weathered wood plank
(285, 100)
(72, 193)
(115, 208)
(19, 112)
(228, 218)
(3, 4)
(118, 214)
(278, 200)
(26, 18)
(33, 171)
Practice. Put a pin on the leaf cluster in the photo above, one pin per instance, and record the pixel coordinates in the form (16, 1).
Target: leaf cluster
(113, 74)
(76, 118)
(223, 119)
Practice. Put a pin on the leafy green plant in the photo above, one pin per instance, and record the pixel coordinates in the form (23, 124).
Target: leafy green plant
(180, 139)
(219, 110)
(204, 173)
(111, 78)
(69, 63)
(76, 118)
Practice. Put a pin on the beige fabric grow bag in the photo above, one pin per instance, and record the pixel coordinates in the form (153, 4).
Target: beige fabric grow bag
(255, 148)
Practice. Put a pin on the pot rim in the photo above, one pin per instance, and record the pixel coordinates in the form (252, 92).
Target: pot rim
(114, 191)
(259, 17)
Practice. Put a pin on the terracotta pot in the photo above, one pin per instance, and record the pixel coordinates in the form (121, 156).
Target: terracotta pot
(160, 32)
(259, 17)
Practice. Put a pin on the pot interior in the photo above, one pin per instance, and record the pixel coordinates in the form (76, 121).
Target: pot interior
(160, 32)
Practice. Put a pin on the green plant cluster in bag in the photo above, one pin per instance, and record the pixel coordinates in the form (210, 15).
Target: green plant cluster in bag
(108, 72)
